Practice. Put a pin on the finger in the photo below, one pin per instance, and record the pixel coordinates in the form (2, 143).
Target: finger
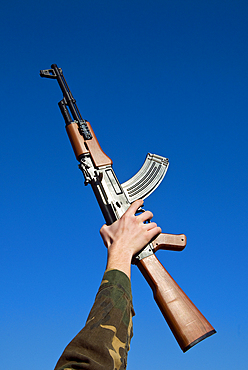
(135, 206)
(154, 232)
(150, 226)
(145, 216)
(102, 230)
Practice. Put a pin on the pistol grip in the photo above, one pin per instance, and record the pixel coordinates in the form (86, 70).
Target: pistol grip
(170, 242)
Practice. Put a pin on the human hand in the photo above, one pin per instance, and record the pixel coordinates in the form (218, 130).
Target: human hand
(127, 236)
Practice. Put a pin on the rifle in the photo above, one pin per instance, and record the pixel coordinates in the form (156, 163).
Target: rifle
(186, 322)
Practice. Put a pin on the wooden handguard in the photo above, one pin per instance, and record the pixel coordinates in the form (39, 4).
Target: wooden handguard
(82, 146)
(186, 322)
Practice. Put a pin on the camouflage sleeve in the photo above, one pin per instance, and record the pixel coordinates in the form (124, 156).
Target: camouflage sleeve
(104, 341)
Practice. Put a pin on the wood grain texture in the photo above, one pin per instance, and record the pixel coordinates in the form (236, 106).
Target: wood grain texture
(170, 242)
(98, 155)
(186, 322)
(92, 146)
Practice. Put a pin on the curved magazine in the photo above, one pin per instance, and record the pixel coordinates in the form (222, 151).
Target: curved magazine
(147, 179)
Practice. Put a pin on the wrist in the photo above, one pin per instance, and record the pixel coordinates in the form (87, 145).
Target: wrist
(119, 258)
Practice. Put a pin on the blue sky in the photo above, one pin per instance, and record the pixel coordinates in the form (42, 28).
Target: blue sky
(166, 77)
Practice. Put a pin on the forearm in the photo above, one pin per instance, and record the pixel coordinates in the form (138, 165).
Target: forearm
(120, 259)
(104, 341)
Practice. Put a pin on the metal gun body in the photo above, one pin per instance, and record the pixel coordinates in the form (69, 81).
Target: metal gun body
(113, 198)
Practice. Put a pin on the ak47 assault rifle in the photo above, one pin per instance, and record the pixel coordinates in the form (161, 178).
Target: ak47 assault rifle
(186, 322)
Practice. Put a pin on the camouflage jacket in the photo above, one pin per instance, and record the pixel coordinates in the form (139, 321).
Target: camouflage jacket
(104, 341)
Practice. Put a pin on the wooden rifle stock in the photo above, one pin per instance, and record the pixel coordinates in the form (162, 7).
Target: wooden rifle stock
(186, 322)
